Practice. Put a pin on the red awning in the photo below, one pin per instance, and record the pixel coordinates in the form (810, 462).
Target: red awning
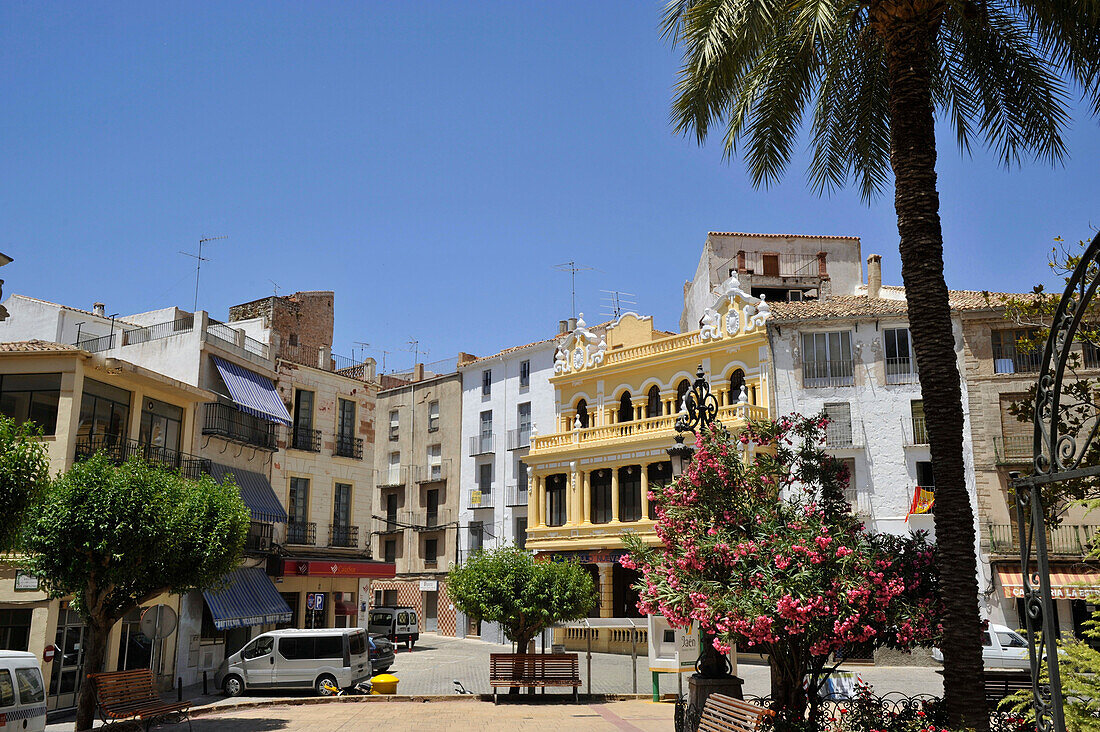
(1076, 582)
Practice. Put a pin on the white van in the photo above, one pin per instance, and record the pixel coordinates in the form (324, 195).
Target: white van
(399, 624)
(1002, 647)
(22, 693)
(297, 659)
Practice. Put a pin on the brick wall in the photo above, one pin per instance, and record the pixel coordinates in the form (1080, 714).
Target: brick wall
(304, 318)
(409, 595)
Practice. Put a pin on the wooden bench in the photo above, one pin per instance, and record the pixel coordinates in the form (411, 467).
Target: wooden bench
(130, 698)
(999, 684)
(723, 713)
(534, 669)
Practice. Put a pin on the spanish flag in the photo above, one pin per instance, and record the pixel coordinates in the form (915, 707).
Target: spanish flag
(923, 498)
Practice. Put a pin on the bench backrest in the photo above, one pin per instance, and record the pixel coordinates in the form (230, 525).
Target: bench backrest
(114, 688)
(726, 713)
(533, 666)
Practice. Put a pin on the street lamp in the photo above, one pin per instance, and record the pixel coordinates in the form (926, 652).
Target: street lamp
(699, 410)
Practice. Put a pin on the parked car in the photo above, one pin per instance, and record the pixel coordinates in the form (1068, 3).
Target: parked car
(19, 671)
(381, 653)
(297, 659)
(1002, 647)
(399, 624)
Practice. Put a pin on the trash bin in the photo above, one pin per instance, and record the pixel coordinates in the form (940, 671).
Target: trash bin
(384, 684)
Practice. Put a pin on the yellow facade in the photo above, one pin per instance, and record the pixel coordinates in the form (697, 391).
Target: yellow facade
(618, 395)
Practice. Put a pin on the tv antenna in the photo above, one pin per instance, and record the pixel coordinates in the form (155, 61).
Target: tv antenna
(615, 300)
(573, 268)
(275, 285)
(363, 346)
(199, 259)
(414, 347)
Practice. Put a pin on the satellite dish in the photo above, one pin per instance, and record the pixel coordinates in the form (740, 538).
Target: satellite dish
(158, 622)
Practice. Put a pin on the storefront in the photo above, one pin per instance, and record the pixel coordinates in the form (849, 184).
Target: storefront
(1075, 589)
(327, 593)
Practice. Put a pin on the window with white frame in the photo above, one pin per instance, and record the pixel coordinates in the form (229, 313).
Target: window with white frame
(901, 364)
(523, 424)
(485, 433)
(838, 433)
(395, 424)
(521, 479)
(524, 374)
(433, 416)
(486, 382)
(851, 495)
(827, 359)
(435, 462)
(393, 469)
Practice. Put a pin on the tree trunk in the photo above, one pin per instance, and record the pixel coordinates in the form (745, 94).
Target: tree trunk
(94, 658)
(908, 28)
(787, 694)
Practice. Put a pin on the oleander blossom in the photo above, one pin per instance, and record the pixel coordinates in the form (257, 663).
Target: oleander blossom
(759, 549)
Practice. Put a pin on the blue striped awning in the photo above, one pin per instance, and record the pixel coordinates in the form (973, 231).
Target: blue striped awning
(247, 597)
(252, 392)
(256, 492)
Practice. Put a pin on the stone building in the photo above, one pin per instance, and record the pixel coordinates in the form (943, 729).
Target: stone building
(416, 514)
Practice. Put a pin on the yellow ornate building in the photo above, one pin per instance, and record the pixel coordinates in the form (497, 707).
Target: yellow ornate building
(617, 397)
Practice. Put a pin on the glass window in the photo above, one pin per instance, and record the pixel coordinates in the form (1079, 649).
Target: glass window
(345, 428)
(7, 690)
(299, 499)
(524, 373)
(477, 536)
(925, 477)
(104, 410)
(1010, 356)
(521, 476)
(582, 413)
(15, 629)
(303, 410)
(626, 407)
(357, 643)
(523, 417)
(486, 382)
(329, 646)
(431, 550)
(161, 425)
(341, 512)
(630, 493)
(1011, 640)
(900, 363)
(653, 402)
(601, 496)
(31, 398)
(433, 416)
(30, 686)
(987, 641)
(393, 469)
(390, 552)
(395, 424)
(555, 492)
(827, 359)
(485, 478)
(259, 647)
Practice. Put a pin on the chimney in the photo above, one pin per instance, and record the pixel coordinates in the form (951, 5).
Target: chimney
(99, 309)
(572, 325)
(563, 327)
(874, 275)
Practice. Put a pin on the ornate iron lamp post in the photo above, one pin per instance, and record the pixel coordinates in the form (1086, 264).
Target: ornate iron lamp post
(698, 412)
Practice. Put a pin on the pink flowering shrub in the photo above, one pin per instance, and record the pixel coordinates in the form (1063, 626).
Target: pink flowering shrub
(764, 552)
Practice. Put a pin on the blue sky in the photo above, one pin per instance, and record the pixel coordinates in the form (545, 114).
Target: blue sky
(430, 162)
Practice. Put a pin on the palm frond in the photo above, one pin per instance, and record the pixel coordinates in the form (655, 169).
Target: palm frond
(1068, 32)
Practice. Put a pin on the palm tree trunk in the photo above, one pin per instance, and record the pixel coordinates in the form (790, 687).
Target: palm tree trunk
(908, 28)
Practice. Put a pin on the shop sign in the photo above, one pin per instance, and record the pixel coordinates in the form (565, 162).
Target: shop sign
(338, 569)
(429, 585)
(25, 581)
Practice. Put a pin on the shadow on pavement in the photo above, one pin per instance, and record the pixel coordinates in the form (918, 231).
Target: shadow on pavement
(236, 725)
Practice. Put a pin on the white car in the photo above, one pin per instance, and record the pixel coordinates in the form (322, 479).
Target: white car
(19, 672)
(1002, 647)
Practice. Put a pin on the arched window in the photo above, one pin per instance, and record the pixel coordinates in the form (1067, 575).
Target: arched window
(653, 403)
(582, 412)
(626, 407)
(681, 391)
(737, 380)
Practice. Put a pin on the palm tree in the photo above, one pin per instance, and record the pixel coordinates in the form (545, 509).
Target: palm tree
(876, 73)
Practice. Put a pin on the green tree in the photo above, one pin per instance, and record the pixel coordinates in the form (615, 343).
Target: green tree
(113, 536)
(24, 472)
(875, 74)
(507, 586)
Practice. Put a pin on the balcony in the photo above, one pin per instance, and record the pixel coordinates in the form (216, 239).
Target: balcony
(427, 520)
(434, 473)
(1067, 540)
(1014, 449)
(1007, 360)
(841, 435)
(260, 537)
(232, 424)
(916, 432)
(393, 476)
(482, 445)
(901, 371)
(183, 324)
(119, 450)
(230, 338)
(305, 439)
(515, 495)
(95, 344)
(816, 374)
(764, 264)
(519, 438)
(301, 532)
(482, 498)
(652, 428)
(343, 535)
(349, 447)
(388, 524)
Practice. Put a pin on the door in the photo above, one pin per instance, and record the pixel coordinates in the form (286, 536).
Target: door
(295, 664)
(32, 696)
(258, 662)
(431, 611)
(67, 669)
(991, 653)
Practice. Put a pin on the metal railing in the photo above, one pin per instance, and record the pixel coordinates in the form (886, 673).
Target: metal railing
(227, 335)
(183, 324)
(233, 424)
(301, 532)
(901, 371)
(1007, 360)
(120, 449)
(432, 473)
(1013, 449)
(305, 439)
(919, 431)
(519, 438)
(840, 434)
(393, 476)
(343, 535)
(426, 520)
(482, 444)
(96, 344)
(764, 264)
(348, 446)
(515, 495)
(478, 498)
(260, 537)
(828, 373)
(1065, 540)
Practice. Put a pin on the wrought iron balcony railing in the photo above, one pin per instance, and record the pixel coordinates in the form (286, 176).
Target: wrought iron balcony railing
(348, 446)
(233, 424)
(917, 431)
(840, 435)
(482, 444)
(1007, 360)
(516, 495)
(301, 532)
(519, 438)
(482, 498)
(343, 535)
(1067, 540)
(901, 371)
(828, 373)
(305, 439)
(120, 449)
(1013, 449)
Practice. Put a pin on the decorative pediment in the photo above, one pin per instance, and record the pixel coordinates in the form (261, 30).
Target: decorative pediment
(732, 311)
(582, 349)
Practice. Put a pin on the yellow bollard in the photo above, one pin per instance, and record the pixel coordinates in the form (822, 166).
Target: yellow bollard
(384, 684)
